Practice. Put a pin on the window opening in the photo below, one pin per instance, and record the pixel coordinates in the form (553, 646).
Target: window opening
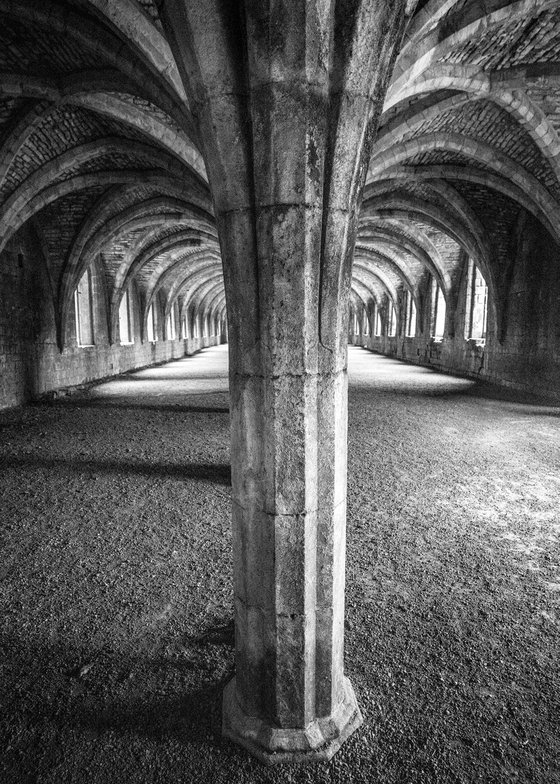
(410, 324)
(152, 325)
(125, 319)
(392, 331)
(438, 311)
(171, 332)
(378, 324)
(83, 306)
(478, 315)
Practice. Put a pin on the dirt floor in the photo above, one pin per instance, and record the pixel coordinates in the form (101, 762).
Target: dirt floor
(115, 583)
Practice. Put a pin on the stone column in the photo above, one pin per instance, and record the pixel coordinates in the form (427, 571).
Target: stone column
(286, 96)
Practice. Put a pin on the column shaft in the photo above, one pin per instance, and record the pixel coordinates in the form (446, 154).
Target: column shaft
(286, 97)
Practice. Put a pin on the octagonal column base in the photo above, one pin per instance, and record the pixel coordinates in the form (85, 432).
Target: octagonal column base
(317, 742)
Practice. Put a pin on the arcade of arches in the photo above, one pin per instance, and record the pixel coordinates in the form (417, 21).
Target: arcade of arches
(286, 178)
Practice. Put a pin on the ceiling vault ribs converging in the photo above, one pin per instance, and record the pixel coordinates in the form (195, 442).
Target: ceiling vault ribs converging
(98, 151)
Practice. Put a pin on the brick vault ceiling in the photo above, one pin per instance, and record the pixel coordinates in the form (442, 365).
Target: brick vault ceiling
(98, 148)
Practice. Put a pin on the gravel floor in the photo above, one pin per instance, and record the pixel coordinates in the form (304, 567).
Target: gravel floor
(115, 585)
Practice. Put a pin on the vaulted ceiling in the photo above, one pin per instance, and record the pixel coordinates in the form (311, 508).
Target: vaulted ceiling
(99, 153)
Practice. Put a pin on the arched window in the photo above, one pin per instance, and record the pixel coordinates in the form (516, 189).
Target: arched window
(438, 310)
(392, 326)
(477, 304)
(410, 316)
(126, 329)
(152, 325)
(83, 306)
(378, 324)
(365, 322)
(171, 332)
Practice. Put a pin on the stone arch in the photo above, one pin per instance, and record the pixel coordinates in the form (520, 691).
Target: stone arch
(418, 55)
(478, 151)
(368, 257)
(454, 203)
(406, 210)
(107, 218)
(487, 179)
(28, 120)
(136, 26)
(178, 285)
(40, 188)
(399, 237)
(193, 284)
(175, 141)
(90, 244)
(95, 36)
(381, 275)
(208, 267)
(109, 86)
(474, 85)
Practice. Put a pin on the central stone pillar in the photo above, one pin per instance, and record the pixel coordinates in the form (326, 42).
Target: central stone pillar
(286, 96)
(288, 396)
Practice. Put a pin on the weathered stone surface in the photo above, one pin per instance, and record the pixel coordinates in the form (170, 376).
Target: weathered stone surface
(317, 741)
(131, 140)
(285, 109)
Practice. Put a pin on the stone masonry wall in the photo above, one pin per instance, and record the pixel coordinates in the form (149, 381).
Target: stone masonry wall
(13, 365)
(527, 357)
(31, 363)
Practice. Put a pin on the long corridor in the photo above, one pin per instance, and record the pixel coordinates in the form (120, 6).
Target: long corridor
(116, 595)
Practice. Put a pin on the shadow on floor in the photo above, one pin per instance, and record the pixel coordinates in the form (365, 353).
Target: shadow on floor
(89, 695)
(504, 394)
(397, 376)
(153, 376)
(526, 404)
(128, 405)
(218, 473)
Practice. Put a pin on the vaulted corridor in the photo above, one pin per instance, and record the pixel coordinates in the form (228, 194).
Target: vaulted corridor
(116, 590)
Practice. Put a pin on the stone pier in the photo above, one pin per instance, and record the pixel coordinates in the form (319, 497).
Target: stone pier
(286, 97)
